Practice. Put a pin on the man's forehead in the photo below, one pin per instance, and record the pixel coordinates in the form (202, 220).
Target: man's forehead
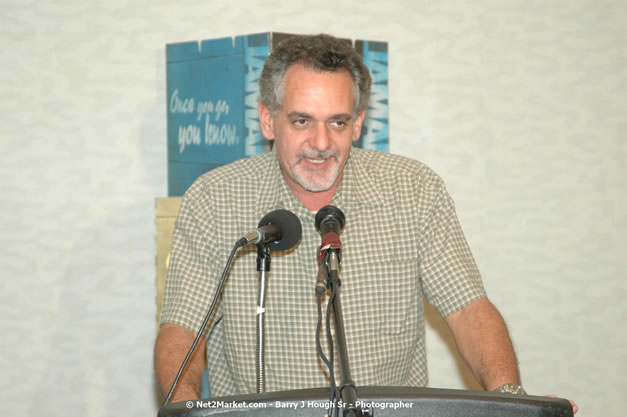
(302, 83)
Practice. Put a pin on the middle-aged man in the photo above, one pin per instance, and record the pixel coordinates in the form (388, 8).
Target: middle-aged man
(402, 240)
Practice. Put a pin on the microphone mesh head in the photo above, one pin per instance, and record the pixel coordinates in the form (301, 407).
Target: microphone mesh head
(330, 212)
(291, 229)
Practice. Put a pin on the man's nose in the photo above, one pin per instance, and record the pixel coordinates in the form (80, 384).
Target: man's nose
(320, 139)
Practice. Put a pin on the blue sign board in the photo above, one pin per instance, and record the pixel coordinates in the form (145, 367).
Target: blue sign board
(212, 93)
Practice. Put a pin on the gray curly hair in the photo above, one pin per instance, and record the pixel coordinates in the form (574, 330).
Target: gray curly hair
(317, 52)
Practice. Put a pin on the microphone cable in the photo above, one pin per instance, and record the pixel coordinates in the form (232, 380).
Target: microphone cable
(327, 361)
(238, 244)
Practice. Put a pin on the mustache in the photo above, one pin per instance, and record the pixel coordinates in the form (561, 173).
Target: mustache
(318, 155)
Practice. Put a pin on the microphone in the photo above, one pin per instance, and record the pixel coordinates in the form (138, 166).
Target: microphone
(281, 229)
(329, 222)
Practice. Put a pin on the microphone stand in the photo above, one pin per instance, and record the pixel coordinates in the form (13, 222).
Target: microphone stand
(263, 266)
(348, 390)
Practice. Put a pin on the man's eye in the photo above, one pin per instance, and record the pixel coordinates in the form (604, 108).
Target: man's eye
(300, 122)
(338, 124)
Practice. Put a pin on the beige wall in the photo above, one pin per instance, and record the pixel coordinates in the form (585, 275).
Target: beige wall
(520, 106)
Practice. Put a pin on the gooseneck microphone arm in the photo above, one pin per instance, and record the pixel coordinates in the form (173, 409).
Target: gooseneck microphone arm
(329, 221)
(203, 326)
(278, 230)
(263, 266)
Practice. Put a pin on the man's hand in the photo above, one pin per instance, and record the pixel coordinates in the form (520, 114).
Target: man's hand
(575, 408)
(172, 344)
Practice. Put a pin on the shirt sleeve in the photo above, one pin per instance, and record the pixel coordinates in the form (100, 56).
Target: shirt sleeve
(450, 278)
(190, 283)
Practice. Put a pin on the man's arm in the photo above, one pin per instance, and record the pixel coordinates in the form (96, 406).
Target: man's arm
(484, 343)
(172, 344)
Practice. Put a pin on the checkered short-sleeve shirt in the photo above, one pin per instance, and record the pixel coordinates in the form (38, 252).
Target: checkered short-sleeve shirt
(402, 240)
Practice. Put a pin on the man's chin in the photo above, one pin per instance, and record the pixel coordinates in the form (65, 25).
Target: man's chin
(316, 186)
(316, 189)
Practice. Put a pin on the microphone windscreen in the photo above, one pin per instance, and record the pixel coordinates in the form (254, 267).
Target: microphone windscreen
(291, 229)
(330, 212)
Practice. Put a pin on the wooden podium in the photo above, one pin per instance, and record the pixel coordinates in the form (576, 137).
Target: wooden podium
(383, 401)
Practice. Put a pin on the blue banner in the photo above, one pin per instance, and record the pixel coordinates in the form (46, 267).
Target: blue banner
(212, 94)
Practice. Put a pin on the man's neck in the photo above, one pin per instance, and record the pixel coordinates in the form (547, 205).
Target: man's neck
(315, 201)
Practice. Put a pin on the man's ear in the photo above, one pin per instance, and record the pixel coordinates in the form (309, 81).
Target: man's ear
(266, 121)
(357, 125)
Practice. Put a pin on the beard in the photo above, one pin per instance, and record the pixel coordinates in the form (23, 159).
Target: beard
(317, 180)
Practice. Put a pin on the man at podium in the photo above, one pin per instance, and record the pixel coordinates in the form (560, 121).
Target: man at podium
(402, 240)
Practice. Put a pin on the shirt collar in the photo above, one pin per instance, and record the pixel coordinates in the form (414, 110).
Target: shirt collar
(356, 189)
(274, 192)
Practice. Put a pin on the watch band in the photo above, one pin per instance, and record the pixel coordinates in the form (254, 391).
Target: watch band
(511, 389)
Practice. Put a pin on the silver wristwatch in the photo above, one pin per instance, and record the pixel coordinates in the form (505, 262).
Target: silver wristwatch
(511, 389)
